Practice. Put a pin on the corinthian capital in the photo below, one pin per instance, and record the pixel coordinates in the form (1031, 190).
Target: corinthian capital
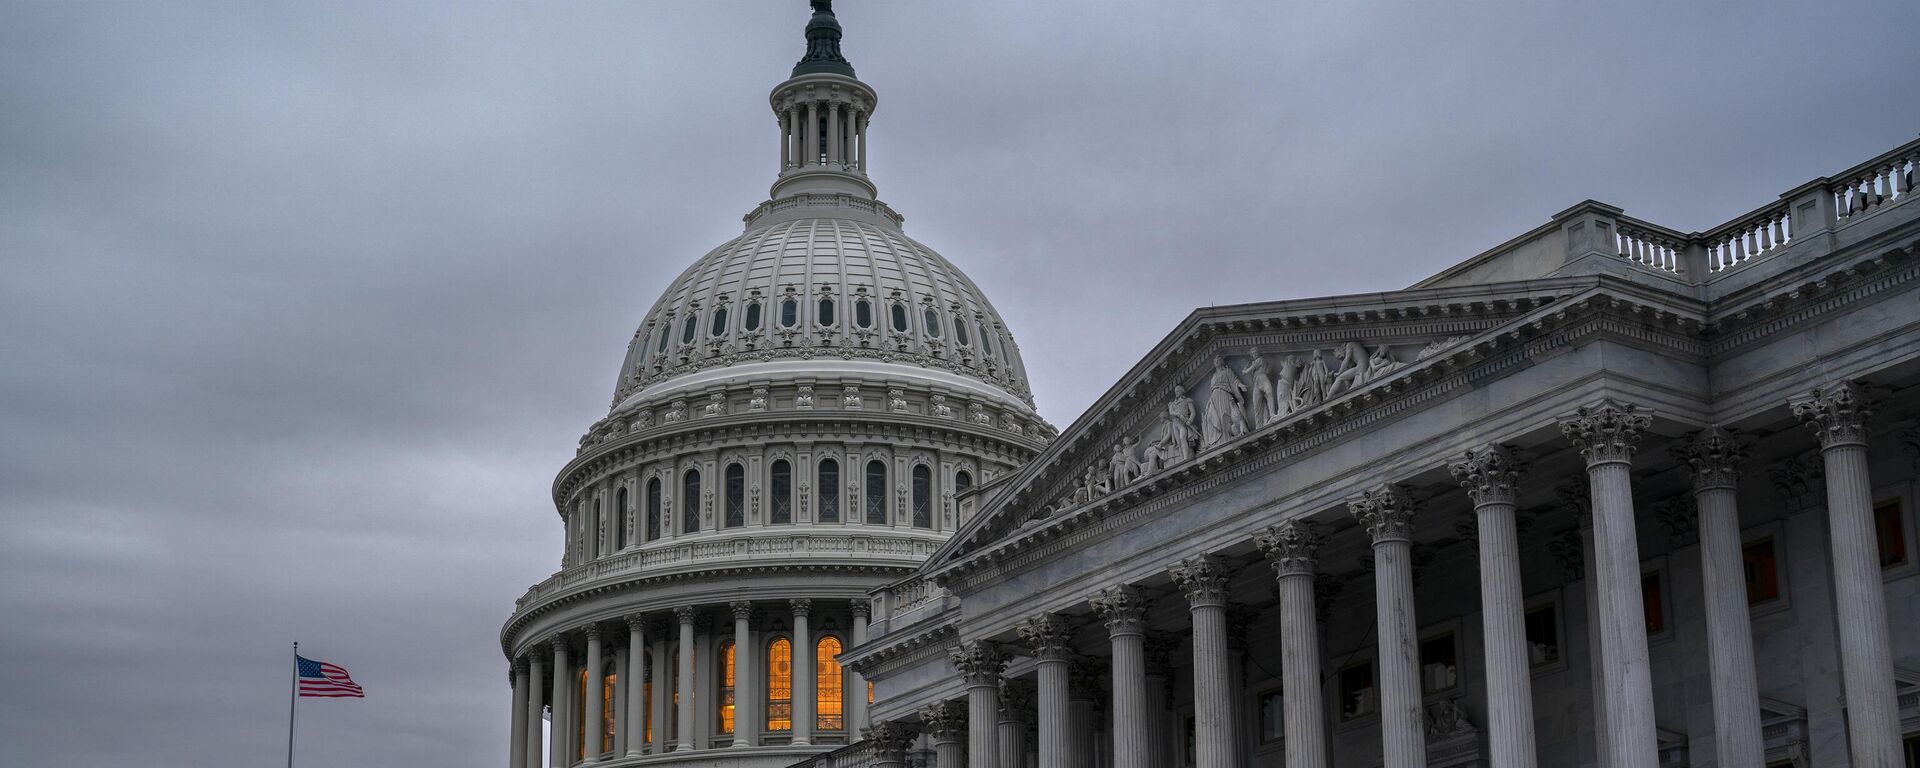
(1047, 634)
(1386, 512)
(1837, 413)
(1203, 578)
(1123, 608)
(1714, 455)
(1607, 431)
(801, 606)
(684, 614)
(1290, 547)
(944, 720)
(742, 609)
(890, 741)
(1490, 474)
(979, 662)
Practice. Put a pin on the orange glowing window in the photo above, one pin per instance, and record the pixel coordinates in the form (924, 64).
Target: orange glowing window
(609, 696)
(831, 688)
(726, 687)
(780, 685)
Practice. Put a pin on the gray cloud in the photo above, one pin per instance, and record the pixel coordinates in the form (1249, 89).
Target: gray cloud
(306, 303)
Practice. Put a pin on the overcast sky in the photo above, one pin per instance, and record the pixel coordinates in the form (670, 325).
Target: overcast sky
(302, 305)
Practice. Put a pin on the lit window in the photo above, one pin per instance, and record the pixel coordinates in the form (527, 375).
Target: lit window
(898, 315)
(922, 496)
(877, 492)
(932, 320)
(789, 313)
(826, 310)
(780, 685)
(719, 325)
(829, 491)
(1762, 570)
(752, 320)
(782, 511)
(830, 688)
(1889, 526)
(653, 509)
(725, 699)
(1357, 696)
(1651, 602)
(960, 331)
(863, 313)
(1439, 664)
(686, 330)
(690, 502)
(609, 697)
(1543, 635)
(736, 496)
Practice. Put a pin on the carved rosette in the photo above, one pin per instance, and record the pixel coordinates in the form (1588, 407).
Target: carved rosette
(742, 609)
(890, 741)
(944, 720)
(1047, 634)
(1203, 578)
(1606, 432)
(1290, 547)
(1386, 512)
(1714, 455)
(979, 662)
(801, 606)
(1123, 608)
(684, 614)
(1837, 414)
(1491, 474)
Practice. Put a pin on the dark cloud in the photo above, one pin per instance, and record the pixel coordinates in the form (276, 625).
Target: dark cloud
(305, 303)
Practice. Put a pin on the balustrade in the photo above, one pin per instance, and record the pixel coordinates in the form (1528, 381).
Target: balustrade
(1747, 238)
(1875, 184)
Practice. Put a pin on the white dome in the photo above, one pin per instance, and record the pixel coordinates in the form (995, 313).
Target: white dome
(823, 289)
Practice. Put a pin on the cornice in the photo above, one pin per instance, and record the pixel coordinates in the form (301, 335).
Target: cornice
(1752, 321)
(892, 651)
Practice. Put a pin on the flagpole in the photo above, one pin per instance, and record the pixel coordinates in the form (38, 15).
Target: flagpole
(293, 697)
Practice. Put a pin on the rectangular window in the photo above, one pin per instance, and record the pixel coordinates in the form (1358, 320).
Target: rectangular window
(829, 491)
(1762, 570)
(1439, 663)
(876, 492)
(1543, 635)
(782, 506)
(1890, 527)
(1357, 696)
(1273, 718)
(1650, 599)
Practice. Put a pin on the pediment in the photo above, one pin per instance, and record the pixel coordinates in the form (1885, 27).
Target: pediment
(1230, 373)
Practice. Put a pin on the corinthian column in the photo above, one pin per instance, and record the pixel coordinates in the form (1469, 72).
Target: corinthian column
(1048, 636)
(1204, 580)
(946, 722)
(746, 729)
(684, 733)
(1837, 414)
(1159, 658)
(890, 743)
(596, 707)
(1715, 455)
(1606, 434)
(536, 701)
(1124, 610)
(636, 703)
(1387, 515)
(980, 664)
(517, 723)
(557, 723)
(1016, 702)
(1290, 547)
(1491, 476)
(856, 682)
(803, 694)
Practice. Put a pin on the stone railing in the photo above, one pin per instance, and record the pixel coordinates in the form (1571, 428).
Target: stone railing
(744, 549)
(906, 602)
(1876, 183)
(1749, 237)
(856, 755)
(1649, 245)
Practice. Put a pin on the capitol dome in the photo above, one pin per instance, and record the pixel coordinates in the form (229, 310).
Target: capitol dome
(805, 415)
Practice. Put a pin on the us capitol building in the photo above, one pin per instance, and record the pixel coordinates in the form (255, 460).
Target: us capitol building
(1608, 494)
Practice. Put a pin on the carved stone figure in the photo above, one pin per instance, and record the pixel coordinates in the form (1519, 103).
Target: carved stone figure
(1261, 408)
(804, 398)
(677, 411)
(1445, 719)
(1312, 385)
(1226, 416)
(716, 405)
(1122, 467)
(978, 412)
(940, 408)
(1285, 384)
(759, 401)
(1178, 436)
(850, 397)
(1350, 372)
(1012, 424)
(897, 400)
(1382, 363)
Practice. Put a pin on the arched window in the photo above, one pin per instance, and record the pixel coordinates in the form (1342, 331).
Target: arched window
(830, 690)
(782, 477)
(724, 701)
(780, 685)
(686, 329)
(962, 482)
(922, 496)
(960, 330)
(829, 491)
(863, 312)
(877, 492)
(690, 502)
(719, 326)
(653, 509)
(789, 312)
(601, 543)
(898, 315)
(620, 511)
(932, 320)
(752, 320)
(826, 310)
(736, 496)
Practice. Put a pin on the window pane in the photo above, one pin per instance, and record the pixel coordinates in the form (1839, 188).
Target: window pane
(653, 509)
(780, 685)
(899, 317)
(690, 502)
(922, 496)
(829, 491)
(962, 481)
(782, 492)
(826, 310)
(789, 313)
(686, 330)
(719, 326)
(736, 496)
(1762, 571)
(960, 331)
(1890, 527)
(620, 513)
(752, 322)
(1273, 715)
(663, 334)
(877, 492)
(831, 688)
(1439, 664)
(863, 313)
(932, 319)
(1357, 698)
(986, 339)
(725, 697)
(609, 697)
(1543, 636)
(1650, 600)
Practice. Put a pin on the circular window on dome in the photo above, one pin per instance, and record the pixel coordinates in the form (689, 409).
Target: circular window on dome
(960, 330)
(932, 319)
(751, 322)
(719, 322)
(863, 313)
(897, 314)
(789, 313)
(826, 311)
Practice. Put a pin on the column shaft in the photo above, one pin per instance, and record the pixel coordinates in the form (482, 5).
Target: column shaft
(856, 683)
(636, 703)
(1053, 712)
(536, 702)
(803, 680)
(949, 751)
(810, 147)
(684, 685)
(833, 135)
(746, 729)
(562, 667)
(1866, 659)
(786, 139)
(1632, 740)
(983, 713)
(1013, 742)
(1212, 700)
(862, 127)
(517, 723)
(622, 672)
(595, 715)
(1596, 648)
(1502, 611)
(662, 685)
(1306, 738)
(1129, 701)
(1736, 694)
(1402, 725)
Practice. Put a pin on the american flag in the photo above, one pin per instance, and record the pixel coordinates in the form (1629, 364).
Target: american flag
(319, 679)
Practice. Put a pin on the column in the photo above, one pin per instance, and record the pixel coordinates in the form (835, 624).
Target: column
(1714, 456)
(810, 141)
(1292, 547)
(861, 127)
(856, 682)
(1124, 609)
(979, 664)
(1159, 658)
(1491, 476)
(1574, 495)
(596, 706)
(622, 683)
(684, 683)
(517, 721)
(1606, 433)
(890, 743)
(662, 685)
(1204, 580)
(803, 693)
(1016, 700)
(1387, 515)
(833, 134)
(1083, 693)
(1837, 414)
(557, 724)
(536, 702)
(786, 139)
(636, 703)
(946, 722)
(1048, 636)
(746, 729)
